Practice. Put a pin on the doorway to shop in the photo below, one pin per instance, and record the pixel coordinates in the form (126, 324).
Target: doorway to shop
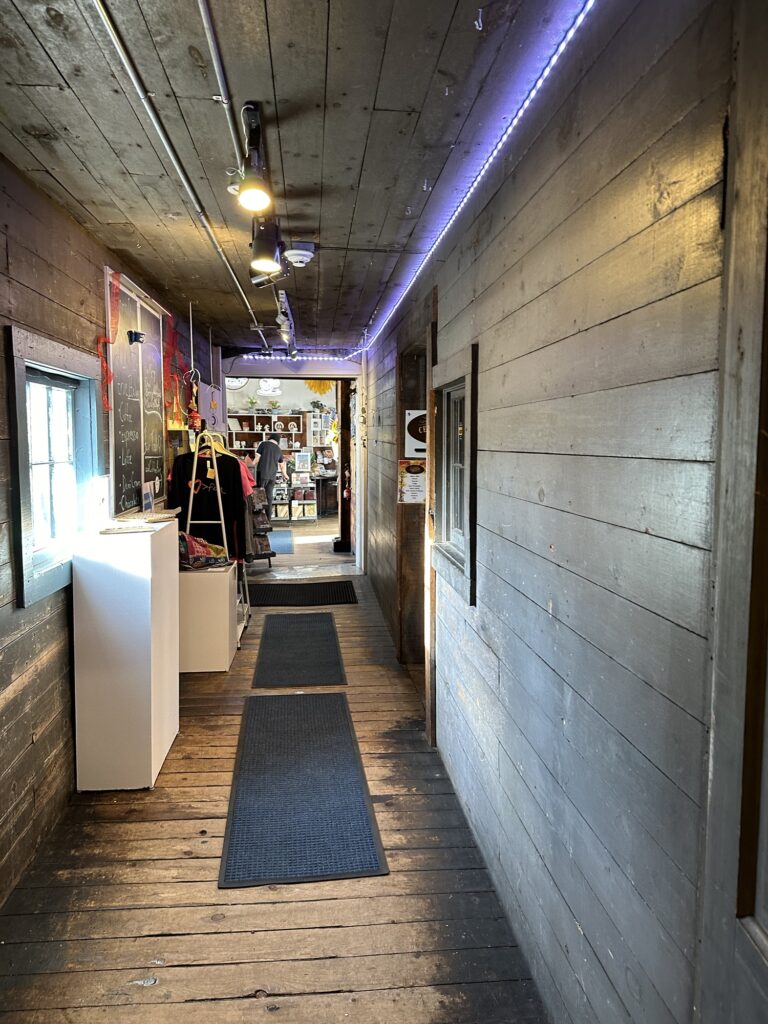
(293, 434)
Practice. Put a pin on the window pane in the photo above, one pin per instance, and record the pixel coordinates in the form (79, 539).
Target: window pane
(454, 526)
(64, 500)
(41, 506)
(61, 425)
(37, 417)
(460, 430)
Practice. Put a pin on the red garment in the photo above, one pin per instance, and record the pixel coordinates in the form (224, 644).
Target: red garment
(248, 485)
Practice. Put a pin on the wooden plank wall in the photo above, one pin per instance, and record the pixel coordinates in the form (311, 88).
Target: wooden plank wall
(395, 541)
(51, 282)
(572, 700)
(382, 476)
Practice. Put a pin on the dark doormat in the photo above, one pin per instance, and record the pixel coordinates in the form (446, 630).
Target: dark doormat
(299, 809)
(282, 542)
(299, 650)
(297, 595)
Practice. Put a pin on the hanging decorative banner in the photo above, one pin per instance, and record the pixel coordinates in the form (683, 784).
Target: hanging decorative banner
(107, 377)
(115, 279)
(106, 374)
(411, 481)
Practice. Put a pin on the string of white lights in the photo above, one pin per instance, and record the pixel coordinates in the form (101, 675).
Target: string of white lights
(304, 355)
(370, 336)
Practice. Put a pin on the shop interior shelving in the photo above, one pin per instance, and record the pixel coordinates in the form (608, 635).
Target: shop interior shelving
(304, 507)
(255, 427)
(319, 425)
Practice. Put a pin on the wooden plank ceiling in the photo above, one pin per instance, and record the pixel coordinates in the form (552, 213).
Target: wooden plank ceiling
(364, 106)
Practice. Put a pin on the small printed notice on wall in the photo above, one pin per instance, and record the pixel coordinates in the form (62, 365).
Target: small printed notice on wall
(411, 481)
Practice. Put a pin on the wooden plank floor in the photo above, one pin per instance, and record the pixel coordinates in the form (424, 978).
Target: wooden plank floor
(119, 919)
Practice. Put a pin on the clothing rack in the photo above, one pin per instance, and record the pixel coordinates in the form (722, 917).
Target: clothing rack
(205, 437)
(208, 438)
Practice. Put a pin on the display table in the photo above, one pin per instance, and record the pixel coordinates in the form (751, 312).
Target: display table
(208, 606)
(126, 627)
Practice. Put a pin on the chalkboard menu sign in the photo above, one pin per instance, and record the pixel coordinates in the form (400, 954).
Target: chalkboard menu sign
(136, 394)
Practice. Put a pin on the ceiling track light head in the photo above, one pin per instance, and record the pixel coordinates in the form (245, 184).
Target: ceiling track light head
(265, 247)
(253, 192)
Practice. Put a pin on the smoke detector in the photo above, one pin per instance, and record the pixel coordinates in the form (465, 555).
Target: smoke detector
(300, 253)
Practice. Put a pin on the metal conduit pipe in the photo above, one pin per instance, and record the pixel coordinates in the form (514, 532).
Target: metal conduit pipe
(221, 80)
(157, 124)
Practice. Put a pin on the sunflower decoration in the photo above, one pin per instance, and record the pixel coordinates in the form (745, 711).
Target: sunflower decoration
(320, 387)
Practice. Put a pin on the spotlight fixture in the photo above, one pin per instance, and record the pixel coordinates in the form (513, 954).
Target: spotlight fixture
(251, 189)
(252, 192)
(265, 245)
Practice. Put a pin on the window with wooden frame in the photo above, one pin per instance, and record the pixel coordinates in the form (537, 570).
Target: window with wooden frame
(452, 507)
(456, 476)
(55, 457)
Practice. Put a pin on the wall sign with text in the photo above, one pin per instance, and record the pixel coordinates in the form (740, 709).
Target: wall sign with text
(415, 433)
(411, 481)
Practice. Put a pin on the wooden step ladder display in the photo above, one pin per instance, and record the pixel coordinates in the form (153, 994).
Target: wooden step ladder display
(210, 439)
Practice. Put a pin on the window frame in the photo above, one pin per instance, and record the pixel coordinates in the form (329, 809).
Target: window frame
(447, 536)
(458, 565)
(38, 575)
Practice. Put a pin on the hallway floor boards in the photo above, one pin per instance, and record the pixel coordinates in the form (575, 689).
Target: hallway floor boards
(119, 919)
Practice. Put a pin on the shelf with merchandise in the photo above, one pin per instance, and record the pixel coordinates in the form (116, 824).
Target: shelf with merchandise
(261, 528)
(246, 431)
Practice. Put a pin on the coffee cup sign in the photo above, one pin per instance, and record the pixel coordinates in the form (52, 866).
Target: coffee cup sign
(415, 433)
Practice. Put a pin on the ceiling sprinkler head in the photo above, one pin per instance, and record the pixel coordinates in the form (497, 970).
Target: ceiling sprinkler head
(300, 253)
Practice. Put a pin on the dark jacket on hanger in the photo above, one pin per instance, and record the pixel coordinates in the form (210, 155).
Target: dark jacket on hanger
(205, 504)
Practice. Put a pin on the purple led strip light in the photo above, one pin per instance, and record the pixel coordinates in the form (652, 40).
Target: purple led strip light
(370, 339)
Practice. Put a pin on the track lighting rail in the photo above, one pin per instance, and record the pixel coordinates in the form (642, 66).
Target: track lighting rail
(138, 84)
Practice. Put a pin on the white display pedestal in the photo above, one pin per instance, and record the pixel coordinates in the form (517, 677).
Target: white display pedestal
(208, 606)
(126, 619)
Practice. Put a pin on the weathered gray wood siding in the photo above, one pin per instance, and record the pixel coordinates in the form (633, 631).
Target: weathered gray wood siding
(51, 282)
(572, 700)
(381, 540)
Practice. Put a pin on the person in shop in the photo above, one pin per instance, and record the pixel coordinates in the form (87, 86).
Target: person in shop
(269, 461)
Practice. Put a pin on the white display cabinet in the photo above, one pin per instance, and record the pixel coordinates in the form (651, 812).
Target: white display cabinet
(126, 626)
(209, 619)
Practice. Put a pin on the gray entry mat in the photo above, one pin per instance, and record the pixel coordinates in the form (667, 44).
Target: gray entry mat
(299, 650)
(299, 809)
(303, 594)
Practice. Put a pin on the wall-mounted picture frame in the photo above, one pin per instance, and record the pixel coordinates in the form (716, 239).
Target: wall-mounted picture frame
(303, 462)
